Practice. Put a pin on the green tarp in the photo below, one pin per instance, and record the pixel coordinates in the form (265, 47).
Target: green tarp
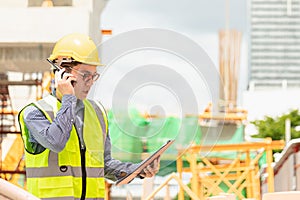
(133, 137)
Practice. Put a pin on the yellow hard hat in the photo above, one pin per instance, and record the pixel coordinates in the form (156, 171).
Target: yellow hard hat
(78, 46)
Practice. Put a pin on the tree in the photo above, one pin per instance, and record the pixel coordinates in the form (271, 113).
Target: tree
(275, 127)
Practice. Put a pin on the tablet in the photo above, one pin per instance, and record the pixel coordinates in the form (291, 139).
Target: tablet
(126, 179)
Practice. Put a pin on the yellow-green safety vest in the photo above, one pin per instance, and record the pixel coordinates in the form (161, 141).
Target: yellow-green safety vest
(75, 172)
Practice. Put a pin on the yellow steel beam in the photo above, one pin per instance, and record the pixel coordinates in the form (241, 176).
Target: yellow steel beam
(276, 144)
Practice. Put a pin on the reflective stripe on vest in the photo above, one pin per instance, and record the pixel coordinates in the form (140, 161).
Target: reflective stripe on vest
(58, 176)
(64, 170)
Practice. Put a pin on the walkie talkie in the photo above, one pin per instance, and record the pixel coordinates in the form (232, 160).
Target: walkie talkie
(54, 65)
(58, 68)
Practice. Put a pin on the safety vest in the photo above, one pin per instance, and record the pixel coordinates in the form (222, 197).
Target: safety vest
(77, 172)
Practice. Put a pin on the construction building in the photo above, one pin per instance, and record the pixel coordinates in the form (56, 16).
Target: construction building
(210, 147)
(31, 29)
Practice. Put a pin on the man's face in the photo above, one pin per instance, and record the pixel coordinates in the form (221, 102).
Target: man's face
(84, 79)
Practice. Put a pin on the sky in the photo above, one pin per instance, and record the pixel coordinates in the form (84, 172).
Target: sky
(191, 17)
(198, 20)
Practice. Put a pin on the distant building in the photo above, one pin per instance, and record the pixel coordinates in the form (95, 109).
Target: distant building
(274, 44)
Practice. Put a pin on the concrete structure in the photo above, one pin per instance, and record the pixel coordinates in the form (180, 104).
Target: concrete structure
(30, 28)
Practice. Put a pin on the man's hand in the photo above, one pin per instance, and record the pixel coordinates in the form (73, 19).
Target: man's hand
(63, 83)
(151, 169)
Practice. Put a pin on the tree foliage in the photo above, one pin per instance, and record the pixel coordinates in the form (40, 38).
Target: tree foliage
(275, 127)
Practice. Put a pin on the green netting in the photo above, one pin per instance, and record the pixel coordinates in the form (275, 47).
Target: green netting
(132, 134)
(237, 137)
(135, 134)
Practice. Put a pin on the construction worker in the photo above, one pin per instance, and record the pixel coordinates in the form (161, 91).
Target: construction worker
(68, 149)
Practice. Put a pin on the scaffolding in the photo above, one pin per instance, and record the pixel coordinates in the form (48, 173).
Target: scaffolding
(7, 126)
(11, 145)
(237, 178)
(239, 175)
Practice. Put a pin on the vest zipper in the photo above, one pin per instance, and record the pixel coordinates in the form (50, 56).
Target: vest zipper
(83, 169)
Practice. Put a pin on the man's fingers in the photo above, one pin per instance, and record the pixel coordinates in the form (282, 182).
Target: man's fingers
(158, 159)
(143, 175)
(148, 171)
(151, 169)
(62, 77)
(155, 165)
(66, 76)
(71, 79)
(62, 74)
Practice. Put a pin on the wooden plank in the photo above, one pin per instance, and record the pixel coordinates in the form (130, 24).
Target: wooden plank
(24, 82)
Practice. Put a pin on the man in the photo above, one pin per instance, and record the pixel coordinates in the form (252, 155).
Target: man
(66, 136)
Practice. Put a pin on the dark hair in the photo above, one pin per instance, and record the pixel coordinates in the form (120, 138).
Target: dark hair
(67, 64)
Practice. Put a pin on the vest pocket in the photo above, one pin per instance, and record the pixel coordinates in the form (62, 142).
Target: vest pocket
(70, 156)
(95, 158)
(95, 188)
(56, 187)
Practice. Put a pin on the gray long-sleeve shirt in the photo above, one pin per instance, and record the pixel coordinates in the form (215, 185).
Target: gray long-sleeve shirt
(55, 135)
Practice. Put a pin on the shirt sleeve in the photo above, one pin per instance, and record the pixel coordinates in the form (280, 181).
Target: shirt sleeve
(113, 168)
(55, 135)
